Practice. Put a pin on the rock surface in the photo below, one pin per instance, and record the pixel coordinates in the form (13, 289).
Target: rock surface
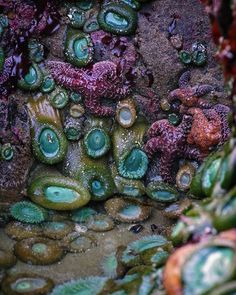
(160, 19)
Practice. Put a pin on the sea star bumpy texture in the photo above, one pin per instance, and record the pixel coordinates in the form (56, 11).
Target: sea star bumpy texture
(210, 127)
(5, 75)
(206, 129)
(190, 96)
(102, 80)
(118, 49)
(172, 144)
(28, 16)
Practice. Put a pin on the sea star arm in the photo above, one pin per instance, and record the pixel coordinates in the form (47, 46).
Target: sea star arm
(185, 125)
(203, 90)
(193, 153)
(166, 164)
(67, 75)
(184, 79)
(6, 72)
(152, 146)
(223, 112)
(95, 107)
(157, 128)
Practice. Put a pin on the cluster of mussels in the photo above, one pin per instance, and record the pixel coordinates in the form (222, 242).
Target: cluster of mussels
(74, 133)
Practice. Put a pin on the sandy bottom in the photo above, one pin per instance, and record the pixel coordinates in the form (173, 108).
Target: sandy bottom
(89, 263)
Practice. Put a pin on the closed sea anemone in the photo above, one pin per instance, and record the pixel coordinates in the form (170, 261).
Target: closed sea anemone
(39, 251)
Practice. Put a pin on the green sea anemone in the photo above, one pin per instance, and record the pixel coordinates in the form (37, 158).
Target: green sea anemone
(32, 80)
(185, 176)
(78, 48)
(54, 191)
(74, 127)
(118, 18)
(48, 84)
(91, 25)
(59, 98)
(131, 255)
(97, 137)
(93, 173)
(82, 215)
(133, 4)
(131, 160)
(39, 251)
(57, 229)
(88, 286)
(6, 152)
(126, 113)
(19, 231)
(77, 17)
(27, 284)
(82, 243)
(36, 51)
(224, 215)
(128, 187)
(85, 4)
(100, 223)
(162, 192)
(112, 266)
(126, 210)
(48, 140)
(97, 143)
(195, 280)
(28, 212)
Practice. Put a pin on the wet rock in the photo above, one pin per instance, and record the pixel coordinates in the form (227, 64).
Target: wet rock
(15, 130)
(158, 22)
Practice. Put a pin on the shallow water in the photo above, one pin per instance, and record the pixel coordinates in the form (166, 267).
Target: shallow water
(88, 263)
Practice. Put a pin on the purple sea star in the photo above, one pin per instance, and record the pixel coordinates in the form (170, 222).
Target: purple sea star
(171, 142)
(118, 49)
(223, 111)
(6, 72)
(102, 80)
(190, 96)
